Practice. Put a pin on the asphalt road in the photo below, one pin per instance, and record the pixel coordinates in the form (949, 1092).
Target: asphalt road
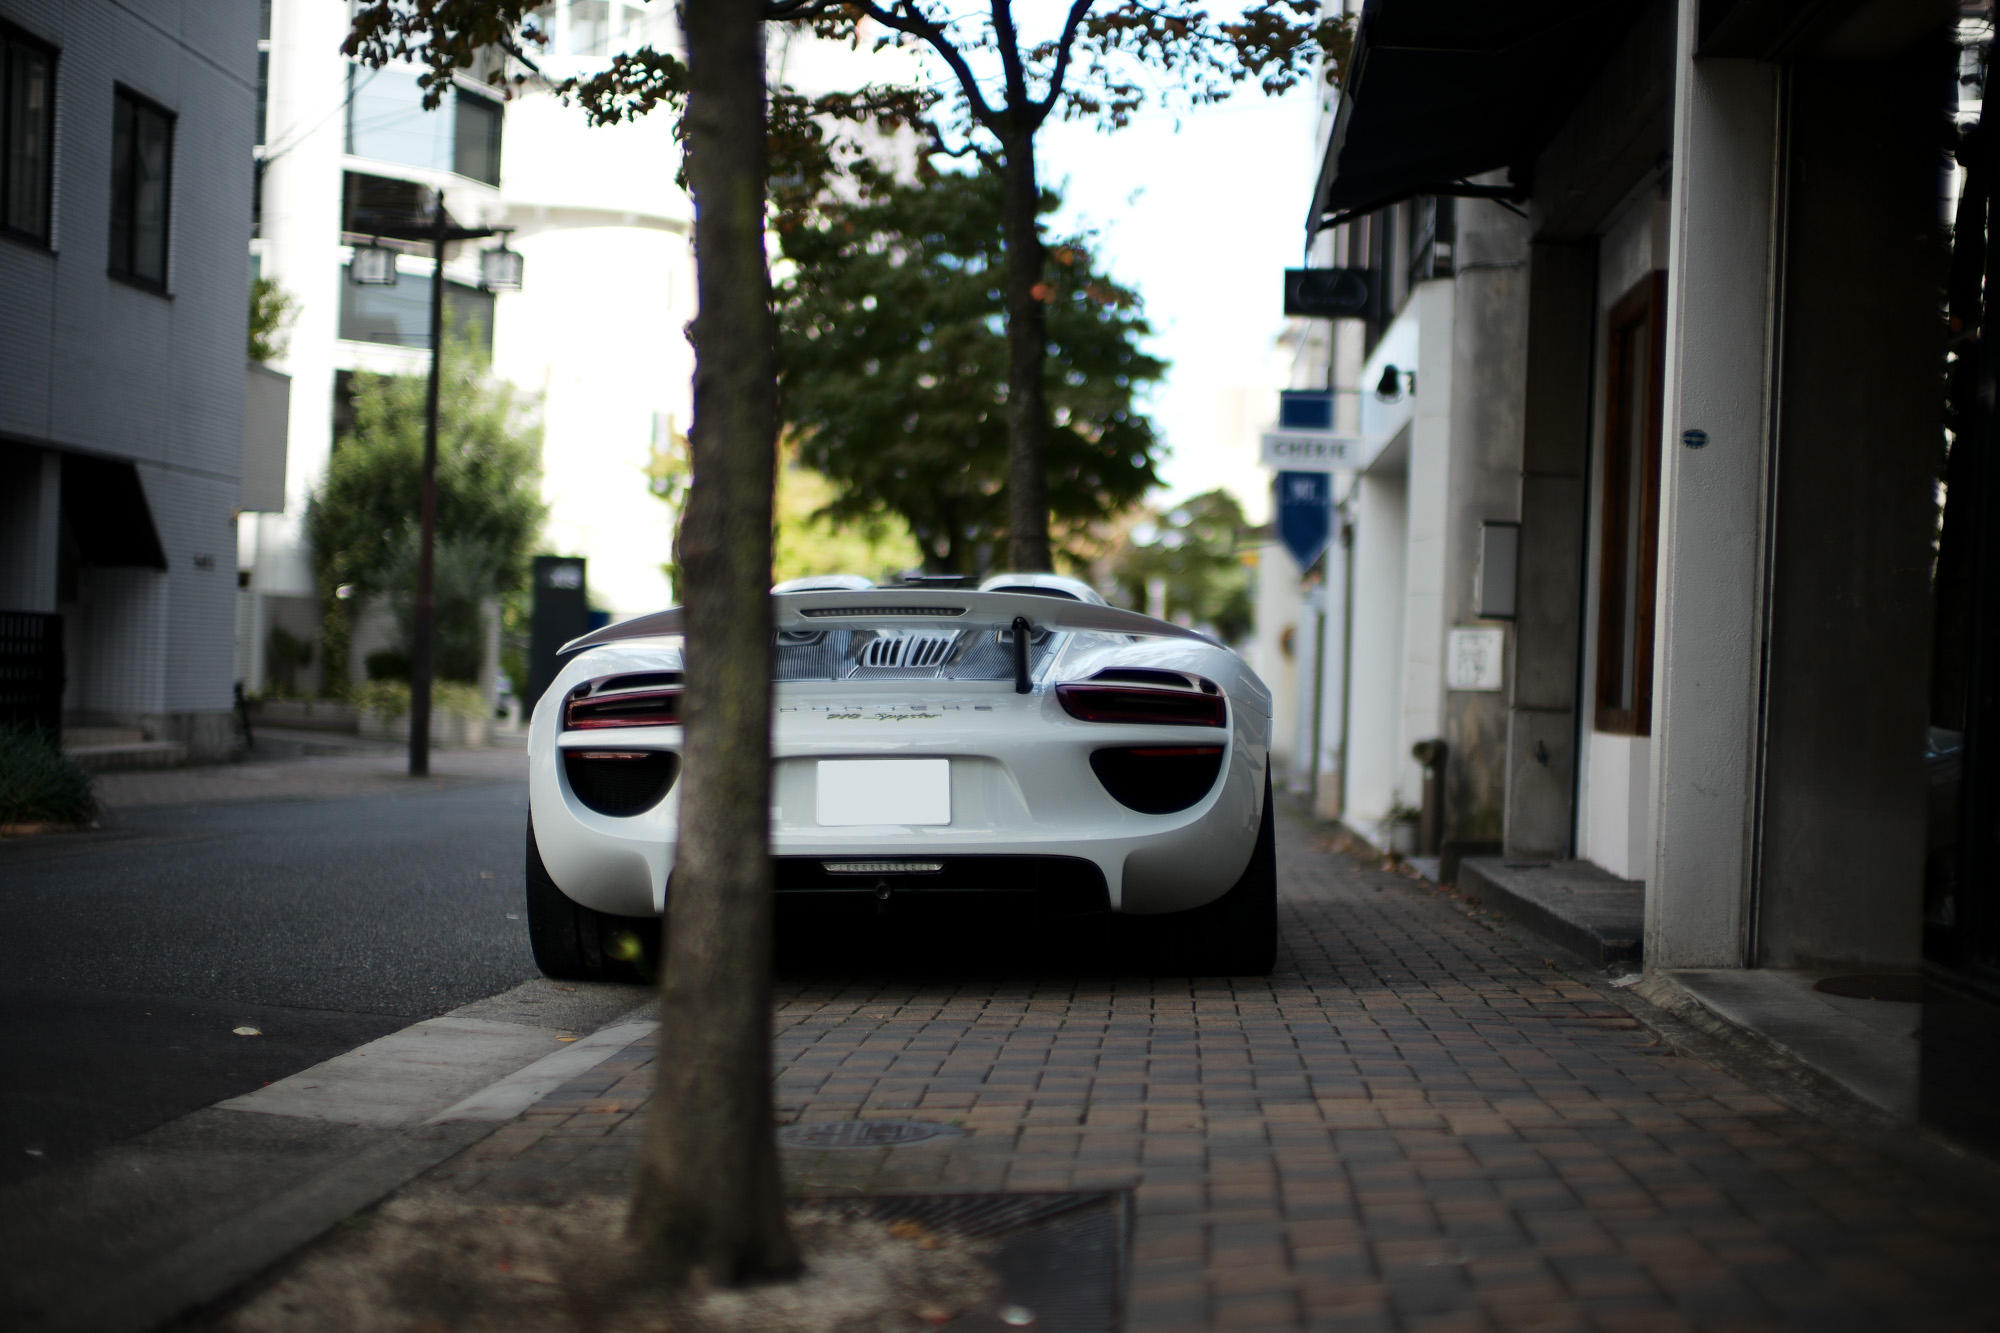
(128, 955)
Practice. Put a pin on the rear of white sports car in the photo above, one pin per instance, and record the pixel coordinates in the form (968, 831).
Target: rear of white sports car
(936, 754)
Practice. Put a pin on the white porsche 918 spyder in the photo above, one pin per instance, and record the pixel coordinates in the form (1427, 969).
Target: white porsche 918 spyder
(1024, 747)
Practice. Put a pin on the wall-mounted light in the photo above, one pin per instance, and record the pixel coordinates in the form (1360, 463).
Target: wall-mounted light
(372, 266)
(1390, 387)
(500, 270)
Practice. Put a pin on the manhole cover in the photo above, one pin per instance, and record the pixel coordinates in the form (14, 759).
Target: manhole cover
(864, 1133)
(1903, 987)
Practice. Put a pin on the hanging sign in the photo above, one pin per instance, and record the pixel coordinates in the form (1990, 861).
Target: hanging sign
(1305, 515)
(1310, 451)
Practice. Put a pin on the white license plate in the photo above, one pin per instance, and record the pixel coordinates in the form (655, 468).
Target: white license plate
(884, 791)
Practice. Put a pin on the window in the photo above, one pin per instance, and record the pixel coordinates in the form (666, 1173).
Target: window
(142, 163)
(386, 120)
(375, 205)
(401, 315)
(27, 134)
(476, 140)
(1628, 557)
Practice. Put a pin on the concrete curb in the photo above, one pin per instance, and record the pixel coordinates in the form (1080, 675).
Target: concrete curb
(222, 1257)
(230, 1254)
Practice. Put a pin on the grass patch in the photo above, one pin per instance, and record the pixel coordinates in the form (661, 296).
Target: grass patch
(39, 784)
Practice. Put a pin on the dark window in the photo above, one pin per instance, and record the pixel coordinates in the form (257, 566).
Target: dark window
(1628, 556)
(263, 95)
(476, 150)
(142, 160)
(382, 205)
(27, 134)
(401, 315)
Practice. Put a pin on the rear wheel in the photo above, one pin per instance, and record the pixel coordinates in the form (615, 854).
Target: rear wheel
(1237, 934)
(575, 943)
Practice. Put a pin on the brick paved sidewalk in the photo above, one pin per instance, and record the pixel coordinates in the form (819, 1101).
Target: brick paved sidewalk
(1416, 1123)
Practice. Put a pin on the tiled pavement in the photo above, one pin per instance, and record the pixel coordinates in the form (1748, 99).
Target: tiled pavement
(1416, 1123)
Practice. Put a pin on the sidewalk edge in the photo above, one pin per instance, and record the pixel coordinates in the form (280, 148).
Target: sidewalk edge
(208, 1268)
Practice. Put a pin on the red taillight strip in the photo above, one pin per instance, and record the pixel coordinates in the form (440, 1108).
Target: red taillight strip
(1127, 703)
(630, 708)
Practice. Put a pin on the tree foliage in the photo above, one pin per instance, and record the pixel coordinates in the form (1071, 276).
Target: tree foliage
(272, 310)
(893, 368)
(1105, 62)
(362, 520)
(1190, 551)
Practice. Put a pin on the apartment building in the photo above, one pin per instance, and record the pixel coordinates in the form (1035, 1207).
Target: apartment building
(125, 201)
(594, 339)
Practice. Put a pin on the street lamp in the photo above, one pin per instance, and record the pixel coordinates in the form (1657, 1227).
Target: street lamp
(373, 265)
(423, 633)
(500, 270)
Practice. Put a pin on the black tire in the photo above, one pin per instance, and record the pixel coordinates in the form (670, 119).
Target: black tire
(576, 943)
(1237, 934)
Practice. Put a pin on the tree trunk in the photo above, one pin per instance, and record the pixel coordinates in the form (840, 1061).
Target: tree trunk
(709, 1196)
(1027, 355)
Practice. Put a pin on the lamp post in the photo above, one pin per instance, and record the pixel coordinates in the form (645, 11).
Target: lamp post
(499, 270)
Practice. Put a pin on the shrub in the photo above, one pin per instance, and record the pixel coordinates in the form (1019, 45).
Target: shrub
(39, 783)
(392, 698)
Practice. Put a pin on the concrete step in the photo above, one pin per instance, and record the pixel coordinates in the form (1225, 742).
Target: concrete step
(80, 737)
(1585, 909)
(121, 758)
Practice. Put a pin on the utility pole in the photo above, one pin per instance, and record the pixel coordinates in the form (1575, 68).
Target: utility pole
(423, 634)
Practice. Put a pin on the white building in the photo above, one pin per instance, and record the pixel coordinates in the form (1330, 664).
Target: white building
(125, 190)
(596, 332)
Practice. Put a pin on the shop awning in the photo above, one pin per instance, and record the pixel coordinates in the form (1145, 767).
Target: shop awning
(1439, 91)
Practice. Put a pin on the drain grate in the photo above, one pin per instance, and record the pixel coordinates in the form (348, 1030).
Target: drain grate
(865, 1133)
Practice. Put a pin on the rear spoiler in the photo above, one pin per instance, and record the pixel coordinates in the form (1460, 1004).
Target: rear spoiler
(913, 607)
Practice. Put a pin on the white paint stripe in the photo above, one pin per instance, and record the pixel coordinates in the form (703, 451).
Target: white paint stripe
(520, 1090)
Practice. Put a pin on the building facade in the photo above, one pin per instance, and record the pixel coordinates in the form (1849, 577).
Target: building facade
(125, 200)
(1672, 278)
(594, 339)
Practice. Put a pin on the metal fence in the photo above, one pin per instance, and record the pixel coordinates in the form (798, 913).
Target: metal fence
(31, 670)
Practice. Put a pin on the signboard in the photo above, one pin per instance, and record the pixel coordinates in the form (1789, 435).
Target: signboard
(1474, 658)
(1329, 293)
(561, 613)
(1305, 514)
(1305, 409)
(1310, 451)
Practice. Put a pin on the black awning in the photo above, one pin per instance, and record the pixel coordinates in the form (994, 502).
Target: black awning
(104, 504)
(1439, 91)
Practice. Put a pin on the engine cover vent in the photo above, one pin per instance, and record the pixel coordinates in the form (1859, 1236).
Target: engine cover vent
(908, 652)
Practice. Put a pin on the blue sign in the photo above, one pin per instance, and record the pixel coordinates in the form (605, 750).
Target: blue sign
(1305, 514)
(1305, 409)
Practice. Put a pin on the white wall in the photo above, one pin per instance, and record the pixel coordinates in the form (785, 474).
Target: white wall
(1374, 767)
(1278, 615)
(1614, 781)
(1709, 618)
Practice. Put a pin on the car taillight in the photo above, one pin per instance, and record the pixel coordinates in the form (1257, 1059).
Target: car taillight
(624, 708)
(1128, 703)
(1158, 779)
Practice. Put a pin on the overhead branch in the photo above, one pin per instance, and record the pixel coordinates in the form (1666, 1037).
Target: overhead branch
(908, 19)
(1064, 46)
